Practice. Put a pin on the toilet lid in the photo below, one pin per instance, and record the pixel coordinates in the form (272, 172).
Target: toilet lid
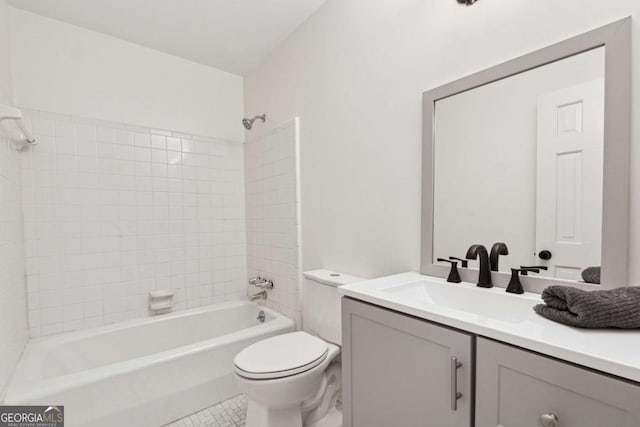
(281, 356)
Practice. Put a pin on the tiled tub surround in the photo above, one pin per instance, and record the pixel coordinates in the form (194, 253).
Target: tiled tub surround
(273, 214)
(112, 211)
(13, 296)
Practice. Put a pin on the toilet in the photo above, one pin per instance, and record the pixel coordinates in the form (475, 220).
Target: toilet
(294, 379)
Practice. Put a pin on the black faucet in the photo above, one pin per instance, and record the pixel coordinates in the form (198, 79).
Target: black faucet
(496, 250)
(515, 287)
(454, 276)
(484, 276)
(525, 269)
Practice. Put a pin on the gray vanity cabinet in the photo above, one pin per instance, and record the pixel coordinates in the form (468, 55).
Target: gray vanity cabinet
(517, 388)
(401, 371)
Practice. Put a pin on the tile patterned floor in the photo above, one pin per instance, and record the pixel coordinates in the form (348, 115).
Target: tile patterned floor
(230, 413)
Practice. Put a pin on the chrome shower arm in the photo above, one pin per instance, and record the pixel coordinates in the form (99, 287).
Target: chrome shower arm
(248, 123)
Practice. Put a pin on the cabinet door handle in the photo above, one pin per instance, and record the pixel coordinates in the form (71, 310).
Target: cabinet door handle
(548, 420)
(455, 395)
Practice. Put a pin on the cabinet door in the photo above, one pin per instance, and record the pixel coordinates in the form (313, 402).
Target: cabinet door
(515, 388)
(397, 370)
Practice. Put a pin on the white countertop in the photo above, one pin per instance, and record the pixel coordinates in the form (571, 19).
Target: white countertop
(509, 318)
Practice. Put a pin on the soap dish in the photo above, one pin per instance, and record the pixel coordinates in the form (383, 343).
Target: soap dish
(160, 301)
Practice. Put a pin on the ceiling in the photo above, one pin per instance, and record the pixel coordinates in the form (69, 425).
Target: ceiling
(232, 35)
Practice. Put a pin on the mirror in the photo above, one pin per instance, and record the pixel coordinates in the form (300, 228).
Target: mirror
(534, 153)
(520, 161)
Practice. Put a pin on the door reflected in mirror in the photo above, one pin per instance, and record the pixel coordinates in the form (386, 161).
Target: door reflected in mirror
(520, 161)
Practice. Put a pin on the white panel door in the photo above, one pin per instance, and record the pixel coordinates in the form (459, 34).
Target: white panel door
(569, 178)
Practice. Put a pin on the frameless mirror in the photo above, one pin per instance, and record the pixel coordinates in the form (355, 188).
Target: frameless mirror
(520, 161)
(534, 153)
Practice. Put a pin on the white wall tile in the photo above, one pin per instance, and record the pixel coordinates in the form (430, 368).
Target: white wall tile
(110, 215)
(13, 282)
(272, 236)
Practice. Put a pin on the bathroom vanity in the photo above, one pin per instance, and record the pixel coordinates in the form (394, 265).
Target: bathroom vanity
(534, 154)
(418, 351)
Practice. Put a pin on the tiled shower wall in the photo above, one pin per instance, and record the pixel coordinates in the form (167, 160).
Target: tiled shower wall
(13, 304)
(113, 211)
(273, 215)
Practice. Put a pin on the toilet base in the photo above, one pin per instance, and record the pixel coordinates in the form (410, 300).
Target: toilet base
(317, 410)
(324, 403)
(332, 419)
(259, 415)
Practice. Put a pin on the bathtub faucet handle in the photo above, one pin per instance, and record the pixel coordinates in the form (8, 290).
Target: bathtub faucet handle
(261, 282)
(255, 280)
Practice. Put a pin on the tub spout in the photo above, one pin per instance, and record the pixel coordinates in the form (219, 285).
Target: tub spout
(259, 295)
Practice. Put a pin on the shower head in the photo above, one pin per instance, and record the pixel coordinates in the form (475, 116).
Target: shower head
(248, 123)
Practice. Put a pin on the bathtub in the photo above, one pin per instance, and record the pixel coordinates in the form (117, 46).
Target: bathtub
(144, 372)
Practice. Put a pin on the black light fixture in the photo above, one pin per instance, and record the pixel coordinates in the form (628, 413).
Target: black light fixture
(467, 2)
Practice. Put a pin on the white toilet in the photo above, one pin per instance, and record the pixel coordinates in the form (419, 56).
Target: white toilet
(293, 380)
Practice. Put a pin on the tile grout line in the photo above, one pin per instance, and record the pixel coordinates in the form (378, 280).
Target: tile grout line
(229, 413)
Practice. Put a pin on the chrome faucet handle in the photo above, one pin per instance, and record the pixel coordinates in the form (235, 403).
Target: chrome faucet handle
(259, 295)
(261, 282)
(265, 284)
(255, 279)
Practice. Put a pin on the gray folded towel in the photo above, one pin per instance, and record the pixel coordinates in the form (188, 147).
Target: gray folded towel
(591, 275)
(615, 308)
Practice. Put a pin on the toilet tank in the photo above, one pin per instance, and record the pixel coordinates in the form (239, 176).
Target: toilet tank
(321, 303)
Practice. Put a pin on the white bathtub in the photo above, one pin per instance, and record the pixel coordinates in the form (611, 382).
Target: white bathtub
(144, 372)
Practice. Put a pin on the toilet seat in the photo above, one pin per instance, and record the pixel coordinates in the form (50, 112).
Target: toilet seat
(281, 356)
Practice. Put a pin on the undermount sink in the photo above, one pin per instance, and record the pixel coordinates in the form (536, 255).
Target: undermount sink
(466, 298)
